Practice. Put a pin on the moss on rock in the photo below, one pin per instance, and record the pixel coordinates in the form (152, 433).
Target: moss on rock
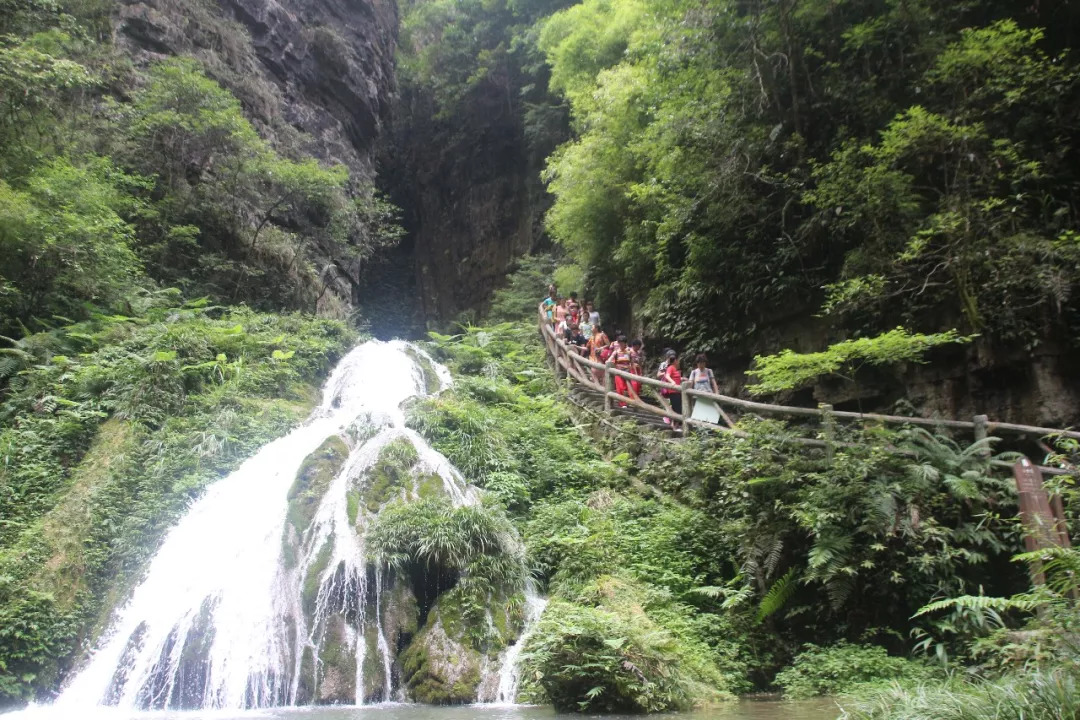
(430, 485)
(352, 505)
(400, 612)
(391, 474)
(305, 689)
(439, 669)
(432, 384)
(315, 475)
(313, 577)
(337, 657)
(65, 527)
(374, 677)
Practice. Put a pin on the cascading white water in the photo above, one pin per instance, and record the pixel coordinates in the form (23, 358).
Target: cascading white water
(509, 673)
(219, 620)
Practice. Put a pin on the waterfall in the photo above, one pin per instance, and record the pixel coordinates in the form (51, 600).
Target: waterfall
(238, 609)
(509, 673)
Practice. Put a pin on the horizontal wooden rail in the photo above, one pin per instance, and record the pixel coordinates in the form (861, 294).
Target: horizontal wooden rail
(875, 417)
(577, 368)
(642, 405)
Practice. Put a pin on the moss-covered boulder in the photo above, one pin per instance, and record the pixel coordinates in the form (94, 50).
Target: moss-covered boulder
(374, 675)
(432, 383)
(337, 660)
(439, 669)
(305, 689)
(465, 634)
(391, 475)
(400, 613)
(312, 480)
(309, 592)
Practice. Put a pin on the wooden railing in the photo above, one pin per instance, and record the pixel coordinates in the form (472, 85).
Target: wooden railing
(569, 364)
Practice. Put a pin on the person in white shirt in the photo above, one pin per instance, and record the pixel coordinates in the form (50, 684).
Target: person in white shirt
(592, 315)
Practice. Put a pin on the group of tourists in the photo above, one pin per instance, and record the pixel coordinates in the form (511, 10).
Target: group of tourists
(578, 325)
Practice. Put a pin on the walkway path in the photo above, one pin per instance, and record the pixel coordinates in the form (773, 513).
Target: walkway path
(593, 384)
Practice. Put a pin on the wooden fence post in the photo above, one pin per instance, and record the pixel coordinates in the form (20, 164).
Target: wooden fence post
(828, 423)
(609, 385)
(685, 408)
(1036, 515)
(981, 423)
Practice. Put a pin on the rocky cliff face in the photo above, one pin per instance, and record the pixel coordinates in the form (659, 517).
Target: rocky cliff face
(322, 68)
(472, 197)
(316, 78)
(468, 182)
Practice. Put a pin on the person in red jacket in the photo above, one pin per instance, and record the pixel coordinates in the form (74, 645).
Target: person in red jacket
(673, 376)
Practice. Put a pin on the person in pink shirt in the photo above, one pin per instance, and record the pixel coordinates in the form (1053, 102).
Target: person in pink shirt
(560, 312)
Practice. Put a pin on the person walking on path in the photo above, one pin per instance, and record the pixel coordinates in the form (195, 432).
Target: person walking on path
(673, 376)
(594, 316)
(560, 312)
(624, 360)
(598, 343)
(701, 377)
(547, 305)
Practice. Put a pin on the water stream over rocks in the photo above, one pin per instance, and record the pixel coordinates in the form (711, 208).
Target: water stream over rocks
(264, 594)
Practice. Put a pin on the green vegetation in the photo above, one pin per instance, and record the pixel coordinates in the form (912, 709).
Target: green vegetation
(116, 178)
(476, 541)
(1026, 668)
(844, 668)
(905, 170)
(139, 204)
(714, 563)
(788, 370)
(1040, 695)
(391, 474)
(731, 159)
(603, 652)
(108, 429)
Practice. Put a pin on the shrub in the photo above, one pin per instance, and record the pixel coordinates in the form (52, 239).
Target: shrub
(603, 652)
(843, 668)
(476, 541)
(1041, 695)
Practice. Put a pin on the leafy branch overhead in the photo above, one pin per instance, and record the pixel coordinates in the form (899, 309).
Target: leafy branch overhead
(789, 370)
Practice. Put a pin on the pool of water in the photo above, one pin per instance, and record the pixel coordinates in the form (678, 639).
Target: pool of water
(736, 710)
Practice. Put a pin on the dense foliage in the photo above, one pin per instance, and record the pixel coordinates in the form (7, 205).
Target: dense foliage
(473, 541)
(845, 668)
(108, 429)
(117, 178)
(731, 159)
(137, 204)
(747, 551)
(1039, 695)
